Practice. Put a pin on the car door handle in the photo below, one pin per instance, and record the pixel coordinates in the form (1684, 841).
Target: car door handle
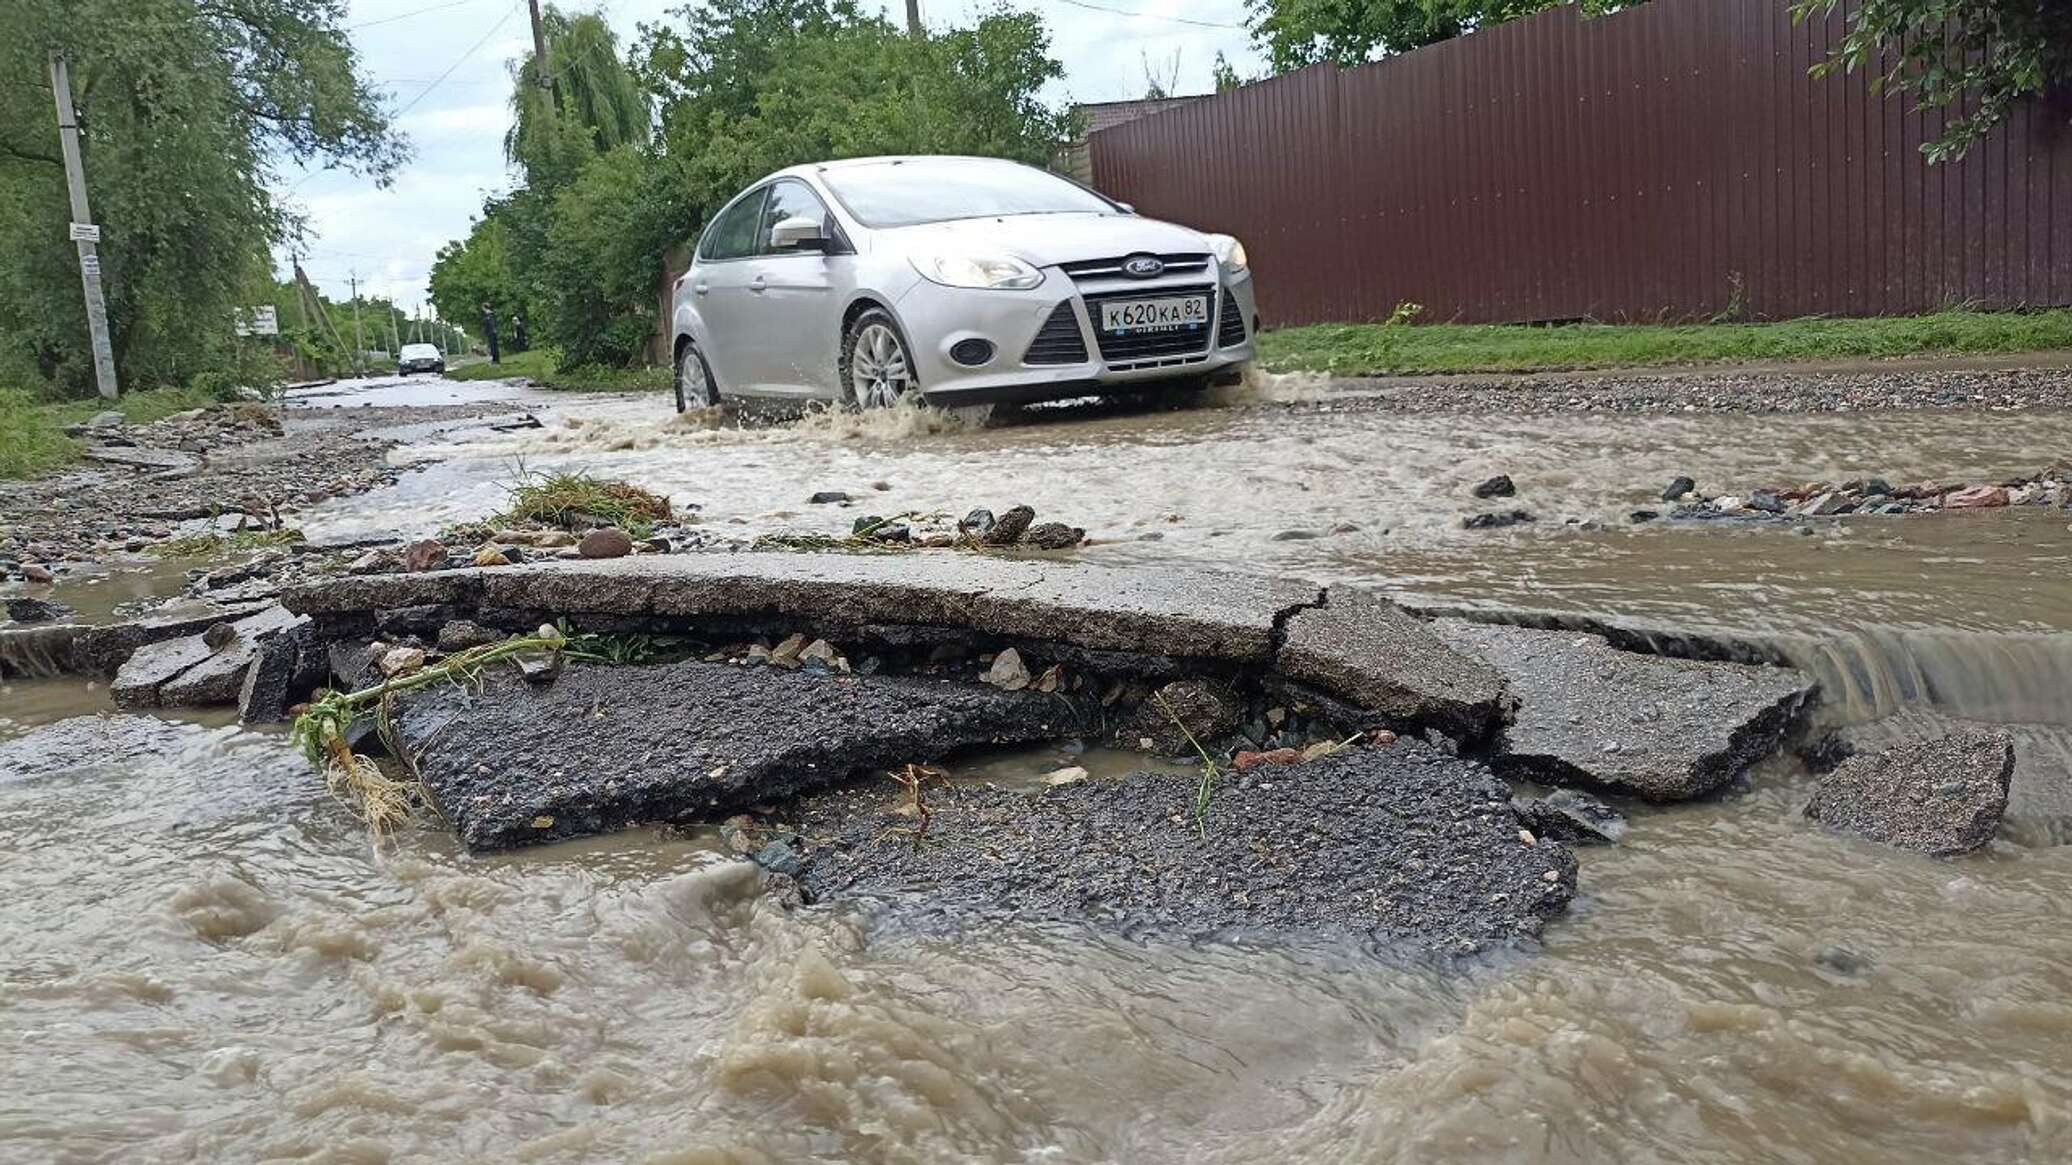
(701, 287)
(758, 283)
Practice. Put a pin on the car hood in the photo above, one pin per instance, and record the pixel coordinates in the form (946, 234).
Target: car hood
(1046, 240)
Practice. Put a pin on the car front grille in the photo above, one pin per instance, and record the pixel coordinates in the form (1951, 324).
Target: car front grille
(1151, 347)
(1058, 341)
(1230, 331)
(1094, 269)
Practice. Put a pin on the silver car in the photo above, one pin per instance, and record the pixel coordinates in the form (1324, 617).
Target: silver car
(968, 281)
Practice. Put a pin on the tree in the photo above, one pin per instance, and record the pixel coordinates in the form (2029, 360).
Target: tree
(184, 107)
(1225, 74)
(1295, 33)
(594, 103)
(1992, 53)
(740, 88)
(477, 270)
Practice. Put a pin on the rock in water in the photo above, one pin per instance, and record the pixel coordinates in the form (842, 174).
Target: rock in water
(604, 748)
(1941, 797)
(26, 610)
(827, 497)
(1497, 521)
(1401, 845)
(1499, 486)
(1678, 488)
(1661, 729)
(1208, 710)
(1010, 527)
(1053, 536)
(977, 524)
(1568, 815)
(608, 542)
(425, 554)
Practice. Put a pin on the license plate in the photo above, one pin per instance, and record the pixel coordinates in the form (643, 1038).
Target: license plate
(1155, 315)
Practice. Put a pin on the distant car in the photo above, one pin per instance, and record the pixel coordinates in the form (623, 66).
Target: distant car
(967, 281)
(419, 358)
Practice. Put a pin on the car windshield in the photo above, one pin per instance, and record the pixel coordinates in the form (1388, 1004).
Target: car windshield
(418, 351)
(921, 190)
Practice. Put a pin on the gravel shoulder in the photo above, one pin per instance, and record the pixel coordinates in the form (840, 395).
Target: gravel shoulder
(1731, 390)
(255, 460)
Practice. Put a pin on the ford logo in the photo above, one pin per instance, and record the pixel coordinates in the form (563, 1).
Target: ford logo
(1143, 266)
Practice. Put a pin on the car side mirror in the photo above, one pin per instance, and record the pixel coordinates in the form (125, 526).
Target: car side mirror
(798, 233)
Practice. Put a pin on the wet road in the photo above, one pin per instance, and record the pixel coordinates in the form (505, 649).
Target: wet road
(206, 961)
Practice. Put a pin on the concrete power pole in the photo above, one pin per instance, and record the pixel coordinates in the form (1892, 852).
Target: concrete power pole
(84, 233)
(539, 49)
(914, 18)
(359, 344)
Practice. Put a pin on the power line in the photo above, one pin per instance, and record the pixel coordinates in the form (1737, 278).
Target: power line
(411, 14)
(1151, 15)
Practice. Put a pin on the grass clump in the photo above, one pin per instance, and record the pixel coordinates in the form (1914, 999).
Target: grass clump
(32, 427)
(543, 366)
(1400, 347)
(578, 502)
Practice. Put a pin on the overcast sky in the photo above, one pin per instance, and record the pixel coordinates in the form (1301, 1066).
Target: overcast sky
(446, 66)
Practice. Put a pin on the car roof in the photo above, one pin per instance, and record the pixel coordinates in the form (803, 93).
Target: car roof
(883, 160)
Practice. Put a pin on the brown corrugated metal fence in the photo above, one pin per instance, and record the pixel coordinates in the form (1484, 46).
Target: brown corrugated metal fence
(1674, 160)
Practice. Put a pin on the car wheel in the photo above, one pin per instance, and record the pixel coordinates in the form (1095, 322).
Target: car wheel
(695, 388)
(876, 370)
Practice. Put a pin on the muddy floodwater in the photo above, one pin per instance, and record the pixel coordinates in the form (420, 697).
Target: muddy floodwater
(207, 961)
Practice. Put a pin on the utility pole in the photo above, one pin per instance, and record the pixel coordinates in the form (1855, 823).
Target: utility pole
(914, 19)
(359, 344)
(83, 231)
(539, 48)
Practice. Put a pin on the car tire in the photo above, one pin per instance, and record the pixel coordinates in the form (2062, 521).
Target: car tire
(877, 366)
(701, 391)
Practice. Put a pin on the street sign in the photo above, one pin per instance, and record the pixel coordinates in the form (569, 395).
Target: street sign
(85, 232)
(259, 321)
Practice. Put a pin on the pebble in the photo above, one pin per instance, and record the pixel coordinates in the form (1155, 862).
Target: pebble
(607, 542)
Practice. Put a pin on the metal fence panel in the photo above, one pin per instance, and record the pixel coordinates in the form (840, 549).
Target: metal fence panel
(1674, 160)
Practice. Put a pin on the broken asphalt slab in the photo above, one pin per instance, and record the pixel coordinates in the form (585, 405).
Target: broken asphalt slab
(192, 672)
(1587, 713)
(99, 649)
(1165, 613)
(1362, 652)
(1397, 846)
(1374, 655)
(1942, 796)
(603, 748)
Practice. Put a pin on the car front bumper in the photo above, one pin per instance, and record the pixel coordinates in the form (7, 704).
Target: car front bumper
(421, 366)
(936, 319)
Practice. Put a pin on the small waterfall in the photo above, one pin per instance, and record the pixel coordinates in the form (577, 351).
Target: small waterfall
(1869, 673)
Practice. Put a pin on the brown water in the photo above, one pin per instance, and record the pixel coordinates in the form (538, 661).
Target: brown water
(207, 962)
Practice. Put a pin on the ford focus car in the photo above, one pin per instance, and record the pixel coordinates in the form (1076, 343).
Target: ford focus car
(960, 281)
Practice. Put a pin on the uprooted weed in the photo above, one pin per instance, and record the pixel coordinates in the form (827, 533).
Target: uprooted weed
(1209, 771)
(202, 545)
(577, 502)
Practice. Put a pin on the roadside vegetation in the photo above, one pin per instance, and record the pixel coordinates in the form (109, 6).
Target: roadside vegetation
(32, 437)
(577, 502)
(1402, 348)
(543, 367)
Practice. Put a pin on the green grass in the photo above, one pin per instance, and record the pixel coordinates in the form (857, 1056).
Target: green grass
(32, 439)
(541, 365)
(577, 501)
(202, 545)
(1365, 349)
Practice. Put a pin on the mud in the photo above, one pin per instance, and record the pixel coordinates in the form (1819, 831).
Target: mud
(1397, 846)
(602, 748)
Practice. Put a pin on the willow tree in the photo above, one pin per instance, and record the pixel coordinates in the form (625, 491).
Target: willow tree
(592, 103)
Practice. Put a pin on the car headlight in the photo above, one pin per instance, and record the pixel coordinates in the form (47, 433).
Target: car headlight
(997, 272)
(1229, 252)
